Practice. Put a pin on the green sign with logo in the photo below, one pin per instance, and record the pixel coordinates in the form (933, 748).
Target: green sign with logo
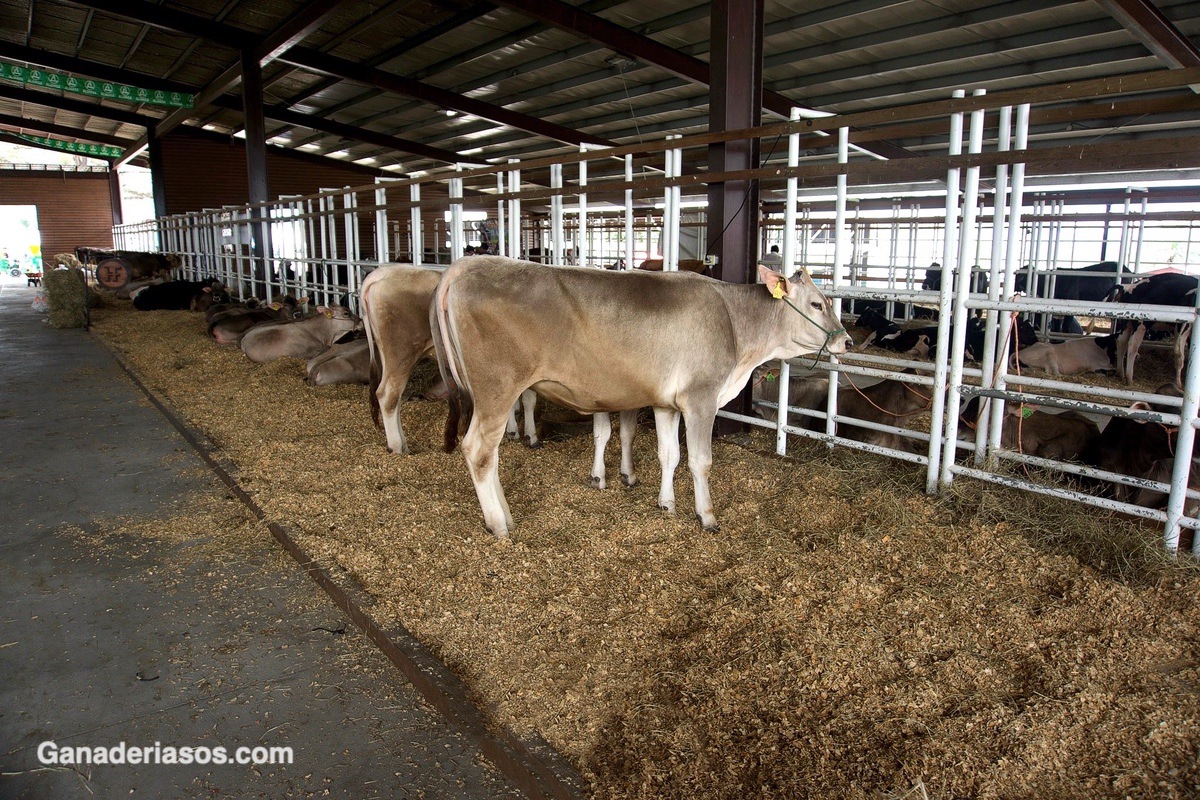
(95, 150)
(45, 78)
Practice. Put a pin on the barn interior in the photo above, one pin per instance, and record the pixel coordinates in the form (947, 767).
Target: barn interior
(294, 147)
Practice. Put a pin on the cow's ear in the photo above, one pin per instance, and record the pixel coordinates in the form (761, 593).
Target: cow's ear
(1140, 405)
(776, 284)
(208, 289)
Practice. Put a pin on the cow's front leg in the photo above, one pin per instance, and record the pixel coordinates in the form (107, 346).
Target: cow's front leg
(628, 429)
(601, 432)
(666, 427)
(699, 441)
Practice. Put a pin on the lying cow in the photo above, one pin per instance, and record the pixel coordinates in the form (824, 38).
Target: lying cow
(300, 339)
(1089, 354)
(888, 402)
(1130, 447)
(344, 362)
(229, 326)
(1029, 430)
(180, 296)
(597, 341)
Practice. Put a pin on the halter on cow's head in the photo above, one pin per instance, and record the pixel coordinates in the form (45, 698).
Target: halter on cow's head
(813, 328)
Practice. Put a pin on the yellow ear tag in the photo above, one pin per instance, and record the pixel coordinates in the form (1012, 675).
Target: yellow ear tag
(275, 306)
(329, 313)
(777, 291)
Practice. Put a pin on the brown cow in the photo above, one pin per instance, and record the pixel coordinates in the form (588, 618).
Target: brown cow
(395, 306)
(300, 339)
(685, 265)
(598, 341)
(395, 302)
(344, 362)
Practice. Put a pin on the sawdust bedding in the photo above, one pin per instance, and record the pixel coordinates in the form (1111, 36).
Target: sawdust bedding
(843, 635)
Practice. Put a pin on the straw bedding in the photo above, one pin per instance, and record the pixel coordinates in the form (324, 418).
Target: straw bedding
(843, 635)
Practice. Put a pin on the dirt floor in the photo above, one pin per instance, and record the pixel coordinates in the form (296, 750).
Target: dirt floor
(843, 635)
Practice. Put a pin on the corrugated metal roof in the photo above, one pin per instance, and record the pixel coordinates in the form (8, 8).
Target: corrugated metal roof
(841, 57)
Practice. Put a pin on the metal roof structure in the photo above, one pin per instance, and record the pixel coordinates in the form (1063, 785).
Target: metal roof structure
(408, 85)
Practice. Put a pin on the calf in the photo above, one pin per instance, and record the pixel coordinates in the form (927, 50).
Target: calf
(300, 339)
(1090, 354)
(229, 326)
(1130, 447)
(678, 342)
(344, 362)
(1029, 430)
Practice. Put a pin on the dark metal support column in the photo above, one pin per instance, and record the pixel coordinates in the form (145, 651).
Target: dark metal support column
(735, 102)
(157, 184)
(114, 196)
(256, 155)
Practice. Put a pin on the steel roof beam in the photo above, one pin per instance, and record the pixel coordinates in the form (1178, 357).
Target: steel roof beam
(61, 130)
(1150, 27)
(74, 106)
(176, 21)
(590, 26)
(406, 87)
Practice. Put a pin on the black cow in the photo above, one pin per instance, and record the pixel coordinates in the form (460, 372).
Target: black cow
(1093, 282)
(181, 296)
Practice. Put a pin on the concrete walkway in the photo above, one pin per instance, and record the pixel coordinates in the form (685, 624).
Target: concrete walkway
(150, 640)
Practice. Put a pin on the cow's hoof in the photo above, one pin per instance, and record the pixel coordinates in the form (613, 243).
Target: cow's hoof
(714, 528)
(596, 482)
(668, 509)
(512, 437)
(535, 445)
(628, 481)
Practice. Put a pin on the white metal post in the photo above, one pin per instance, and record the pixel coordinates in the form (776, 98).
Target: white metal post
(668, 246)
(839, 260)
(456, 215)
(629, 243)
(962, 291)
(383, 252)
(501, 225)
(994, 347)
(415, 234)
(514, 210)
(1011, 257)
(788, 266)
(581, 238)
(949, 254)
(556, 216)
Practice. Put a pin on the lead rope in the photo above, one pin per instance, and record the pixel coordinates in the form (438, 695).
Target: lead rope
(828, 333)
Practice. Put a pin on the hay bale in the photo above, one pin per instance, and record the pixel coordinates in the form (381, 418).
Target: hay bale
(67, 289)
(66, 260)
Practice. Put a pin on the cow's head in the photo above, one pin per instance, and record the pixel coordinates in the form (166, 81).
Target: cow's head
(811, 324)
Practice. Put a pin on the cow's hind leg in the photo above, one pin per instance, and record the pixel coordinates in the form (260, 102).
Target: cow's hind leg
(528, 402)
(699, 441)
(666, 425)
(1135, 344)
(481, 447)
(628, 429)
(601, 432)
(1181, 352)
(390, 393)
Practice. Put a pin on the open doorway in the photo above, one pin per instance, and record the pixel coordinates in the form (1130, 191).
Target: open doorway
(20, 241)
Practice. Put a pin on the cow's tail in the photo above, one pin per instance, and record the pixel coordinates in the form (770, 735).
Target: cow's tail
(1114, 294)
(441, 325)
(375, 375)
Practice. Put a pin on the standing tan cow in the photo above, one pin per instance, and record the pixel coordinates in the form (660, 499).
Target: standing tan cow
(395, 303)
(598, 341)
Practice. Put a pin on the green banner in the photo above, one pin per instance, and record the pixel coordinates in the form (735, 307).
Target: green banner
(92, 88)
(96, 150)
